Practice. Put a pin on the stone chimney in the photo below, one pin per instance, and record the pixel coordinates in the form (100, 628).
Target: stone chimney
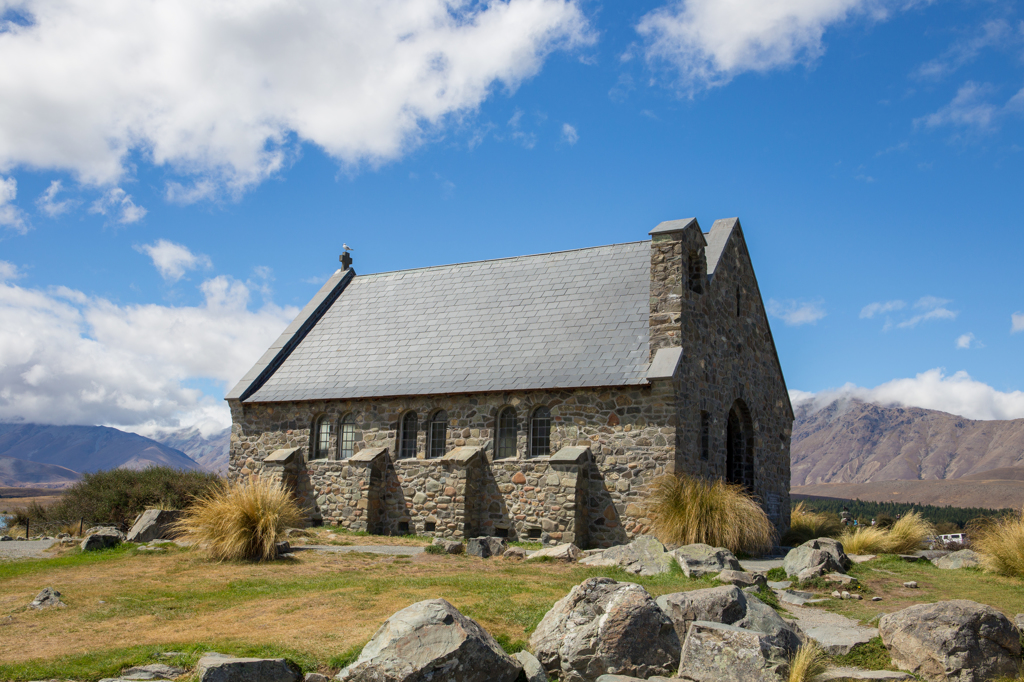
(667, 281)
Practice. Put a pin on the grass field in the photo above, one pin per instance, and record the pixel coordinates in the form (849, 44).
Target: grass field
(127, 606)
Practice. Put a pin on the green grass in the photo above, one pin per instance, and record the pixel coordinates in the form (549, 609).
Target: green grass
(523, 544)
(777, 574)
(347, 657)
(96, 665)
(511, 646)
(13, 569)
(871, 655)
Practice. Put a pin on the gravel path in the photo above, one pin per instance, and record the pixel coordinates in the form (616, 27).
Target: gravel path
(394, 550)
(25, 549)
(760, 565)
(836, 633)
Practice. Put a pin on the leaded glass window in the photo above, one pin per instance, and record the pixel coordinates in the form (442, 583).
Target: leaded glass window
(322, 438)
(507, 433)
(540, 432)
(407, 437)
(348, 436)
(437, 434)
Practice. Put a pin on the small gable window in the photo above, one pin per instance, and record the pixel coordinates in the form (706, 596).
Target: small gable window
(507, 433)
(407, 436)
(348, 436)
(322, 433)
(540, 432)
(694, 274)
(437, 434)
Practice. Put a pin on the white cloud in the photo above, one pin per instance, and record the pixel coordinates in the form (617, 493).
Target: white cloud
(10, 215)
(968, 109)
(709, 42)
(796, 313)
(956, 394)
(569, 134)
(47, 201)
(8, 271)
(872, 309)
(1016, 323)
(69, 358)
(991, 34)
(931, 308)
(172, 260)
(115, 200)
(222, 90)
(968, 340)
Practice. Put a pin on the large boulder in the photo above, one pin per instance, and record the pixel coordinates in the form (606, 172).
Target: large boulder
(533, 671)
(214, 667)
(952, 640)
(964, 558)
(153, 671)
(699, 560)
(154, 524)
(487, 546)
(101, 538)
(742, 579)
(567, 553)
(645, 555)
(816, 558)
(728, 605)
(603, 626)
(715, 652)
(431, 640)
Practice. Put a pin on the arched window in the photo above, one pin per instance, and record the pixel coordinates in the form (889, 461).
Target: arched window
(540, 432)
(437, 434)
(507, 433)
(407, 436)
(348, 436)
(739, 446)
(322, 433)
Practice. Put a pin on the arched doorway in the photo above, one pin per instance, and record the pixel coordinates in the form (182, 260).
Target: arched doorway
(739, 447)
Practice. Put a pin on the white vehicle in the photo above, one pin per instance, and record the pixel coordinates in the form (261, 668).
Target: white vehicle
(950, 538)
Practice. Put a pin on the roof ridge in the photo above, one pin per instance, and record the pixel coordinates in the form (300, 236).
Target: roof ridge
(495, 260)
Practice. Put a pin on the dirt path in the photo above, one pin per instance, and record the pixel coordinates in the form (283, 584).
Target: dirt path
(25, 549)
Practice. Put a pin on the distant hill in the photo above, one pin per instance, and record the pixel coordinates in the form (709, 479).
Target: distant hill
(960, 492)
(87, 448)
(209, 451)
(15, 473)
(850, 441)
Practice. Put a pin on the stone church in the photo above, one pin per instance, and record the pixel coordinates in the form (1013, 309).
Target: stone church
(533, 398)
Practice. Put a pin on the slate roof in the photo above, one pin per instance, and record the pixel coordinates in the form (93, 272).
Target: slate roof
(556, 320)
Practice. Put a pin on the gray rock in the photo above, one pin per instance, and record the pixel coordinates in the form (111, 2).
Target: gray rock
(485, 547)
(910, 584)
(952, 640)
(835, 633)
(964, 558)
(844, 674)
(101, 538)
(153, 671)
(798, 597)
(214, 667)
(699, 560)
(715, 652)
(153, 524)
(820, 556)
(742, 579)
(515, 553)
(627, 678)
(283, 547)
(431, 640)
(317, 677)
(567, 552)
(532, 669)
(1018, 620)
(643, 556)
(731, 606)
(6, 538)
(603, 626)
(841, 578)
(449, 546)
(48, 598)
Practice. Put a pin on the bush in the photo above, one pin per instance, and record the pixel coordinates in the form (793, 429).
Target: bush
(1001, 544)
(808, 663)
(805, 524)
(434, 549)
(687, 510)
(118, 496)
(864, 540)
(241, 520)
(905, 535)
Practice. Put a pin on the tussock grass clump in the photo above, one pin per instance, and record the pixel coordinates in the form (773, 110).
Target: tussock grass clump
(1001, 544)
(905, 535)
(686, 510)
(806, 524)
(241, 520)
(808, 663)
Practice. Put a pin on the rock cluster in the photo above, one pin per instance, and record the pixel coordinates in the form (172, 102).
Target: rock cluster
(698, 560)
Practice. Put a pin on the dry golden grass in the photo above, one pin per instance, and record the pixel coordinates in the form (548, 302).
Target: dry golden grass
(906, 535)
(242, 520)
(1001, 545)
(808, 663)
(687, 510)
(805, 525)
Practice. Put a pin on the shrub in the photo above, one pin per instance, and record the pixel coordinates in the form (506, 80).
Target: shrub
(687, 510)
(905, 535)
(808, 663)
(118, 496)
(864, 540)
(241, 520)
(434, 549)
(805, 524)
(1001, 544)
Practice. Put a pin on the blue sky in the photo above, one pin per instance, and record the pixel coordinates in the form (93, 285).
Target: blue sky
(210, 161)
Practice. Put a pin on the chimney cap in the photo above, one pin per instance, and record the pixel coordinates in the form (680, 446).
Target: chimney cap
(670, 226)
